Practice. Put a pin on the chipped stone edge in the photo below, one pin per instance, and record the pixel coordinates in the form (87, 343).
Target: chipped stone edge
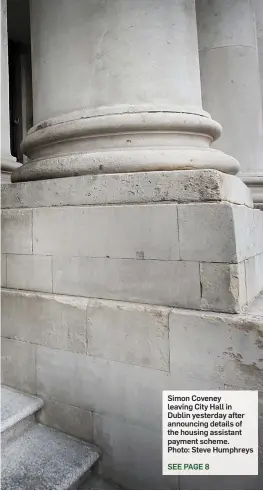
(197, 186)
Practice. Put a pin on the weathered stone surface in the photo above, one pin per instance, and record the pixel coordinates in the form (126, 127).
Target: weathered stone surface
(144, 232)
(230, 58)
(140, 187)
(3, 270)
(17, 231)
(242, 33)
(56, 321)
(206, 232)
(219, 232)
(256, 308)
(223, 287)
(29, 272)
(72, 420)
(254, 276)
(248, 231)
(131, 455)
(104, 386)
(15, 406)
(172, 283)
(217, 347)
(18, 365)
(44, 458)
(130, 333)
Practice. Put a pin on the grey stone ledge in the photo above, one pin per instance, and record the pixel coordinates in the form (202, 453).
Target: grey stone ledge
(16, 406)
(44, 458)
(251, 317)
(142, 187)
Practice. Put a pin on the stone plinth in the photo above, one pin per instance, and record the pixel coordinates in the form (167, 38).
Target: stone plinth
(185, 239)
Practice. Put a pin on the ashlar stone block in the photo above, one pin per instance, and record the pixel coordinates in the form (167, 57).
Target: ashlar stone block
(223, 287)
(254, 276)
(125, 231)
(69, 419)
(219, 347)
(130, 333)
(171, 283)
(17, 231)
(104, 386)
(50, 320)
(29, 272)
(131, 454)
(3, 270)
(219, 232)
(18, 365)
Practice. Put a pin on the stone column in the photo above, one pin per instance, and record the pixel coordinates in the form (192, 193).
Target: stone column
(8, 163)
(258, 5)
(230, 82)
(116, 88)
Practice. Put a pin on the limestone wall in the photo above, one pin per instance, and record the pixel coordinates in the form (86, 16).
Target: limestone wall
(162, 261)
(100, 367)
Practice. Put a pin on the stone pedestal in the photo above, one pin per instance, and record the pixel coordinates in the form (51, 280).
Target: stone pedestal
(231, 83)
(186, 239)
(8, 163)
(116, 88)
(140, 269)
(132, 277)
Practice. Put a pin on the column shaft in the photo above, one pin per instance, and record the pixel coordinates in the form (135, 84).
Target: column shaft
(257, 181)
(230, 80)
(8, 163)
(116, 88)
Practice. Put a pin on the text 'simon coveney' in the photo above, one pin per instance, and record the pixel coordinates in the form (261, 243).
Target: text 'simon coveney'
(210, 432)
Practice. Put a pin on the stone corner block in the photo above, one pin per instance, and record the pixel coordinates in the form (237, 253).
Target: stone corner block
(249, 231)
(234, 190)
(254, 276)
(219, 232)
(219, 347)
(223, 287)
(207, 232)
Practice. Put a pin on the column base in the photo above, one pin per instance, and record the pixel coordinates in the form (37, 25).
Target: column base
(8, 165)
(83, 143)
(255, 183)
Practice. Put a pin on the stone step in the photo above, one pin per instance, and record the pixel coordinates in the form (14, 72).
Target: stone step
(44, 458)
(17, 412)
